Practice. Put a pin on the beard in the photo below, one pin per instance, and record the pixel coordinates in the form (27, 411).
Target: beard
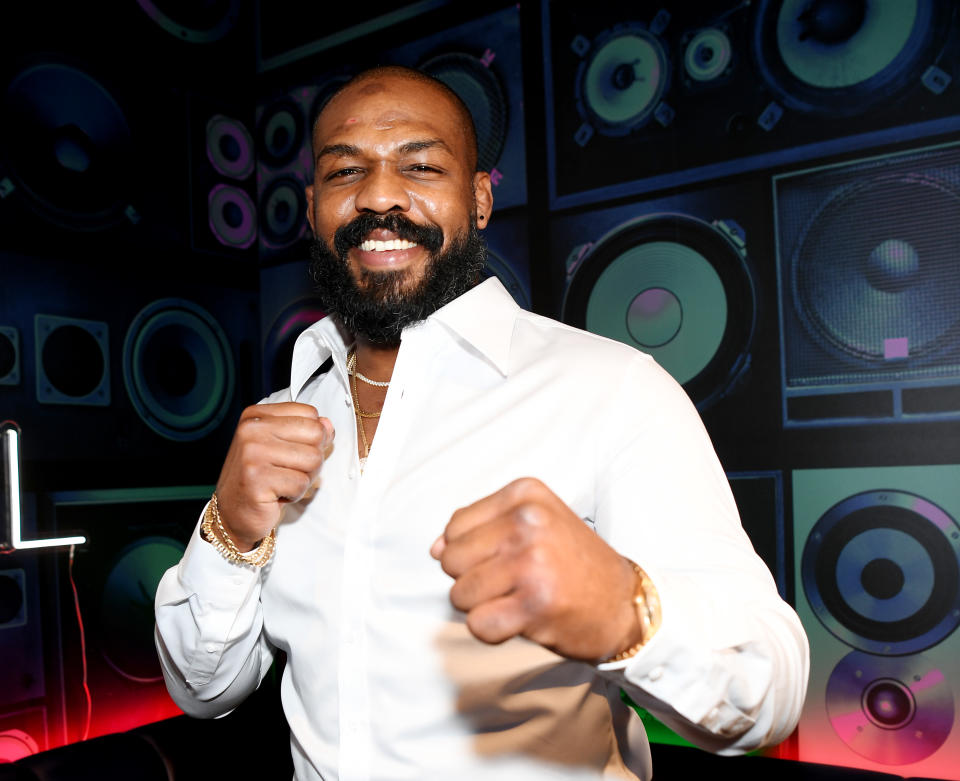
(378, 305)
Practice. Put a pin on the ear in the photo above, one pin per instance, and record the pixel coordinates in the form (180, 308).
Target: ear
(309, 192)
(483, 198)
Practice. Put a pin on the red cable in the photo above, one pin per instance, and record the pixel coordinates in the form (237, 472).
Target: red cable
(83, 647)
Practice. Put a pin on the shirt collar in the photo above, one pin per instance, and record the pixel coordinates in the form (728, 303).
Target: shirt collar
(483, 317)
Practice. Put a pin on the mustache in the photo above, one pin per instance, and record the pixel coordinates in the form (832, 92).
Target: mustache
(430, 237)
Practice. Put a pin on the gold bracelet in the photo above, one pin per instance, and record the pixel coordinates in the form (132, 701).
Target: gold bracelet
(213, 530)
(647, 603)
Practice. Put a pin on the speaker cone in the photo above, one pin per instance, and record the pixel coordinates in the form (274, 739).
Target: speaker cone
(178, 369)
(893, 710)
(281, 338)
(229, 147)
(283, 209)
(675, 287)
(68, 145)
(280, 133)
(843, 56)
(880, 570)
(232, 216)
(126, 607)
(73, 361)
(622, 80)
(864, 268)
(478, 87)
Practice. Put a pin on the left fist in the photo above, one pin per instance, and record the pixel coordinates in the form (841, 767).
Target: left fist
(525, 564)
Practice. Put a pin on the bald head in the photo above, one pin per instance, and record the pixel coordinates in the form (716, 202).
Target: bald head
(377, 80)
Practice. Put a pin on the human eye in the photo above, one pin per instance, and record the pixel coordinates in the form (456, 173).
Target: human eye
(344, 172)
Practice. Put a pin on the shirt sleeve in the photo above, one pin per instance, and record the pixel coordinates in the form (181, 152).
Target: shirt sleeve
(209, 631)
(728, 667)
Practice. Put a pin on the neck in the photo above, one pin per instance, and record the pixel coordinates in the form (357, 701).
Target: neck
(376, 361)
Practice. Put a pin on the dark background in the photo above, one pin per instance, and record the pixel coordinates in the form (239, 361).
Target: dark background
(764, 195)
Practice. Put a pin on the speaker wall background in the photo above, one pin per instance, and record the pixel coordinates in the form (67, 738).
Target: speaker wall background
(184, 385)
(862, 525)
(679, 93)
(856, 268)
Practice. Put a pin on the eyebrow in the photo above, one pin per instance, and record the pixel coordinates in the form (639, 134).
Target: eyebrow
(410, 147)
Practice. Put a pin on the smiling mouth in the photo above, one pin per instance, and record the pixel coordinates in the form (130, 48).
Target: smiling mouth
(371, 245)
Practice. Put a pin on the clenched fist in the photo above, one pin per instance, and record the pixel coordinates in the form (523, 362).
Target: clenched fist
(525, 564)
(274, 458)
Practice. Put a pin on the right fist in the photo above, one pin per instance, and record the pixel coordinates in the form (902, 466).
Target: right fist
(274, 458)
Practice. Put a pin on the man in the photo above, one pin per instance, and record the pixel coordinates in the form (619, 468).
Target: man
(583, 536)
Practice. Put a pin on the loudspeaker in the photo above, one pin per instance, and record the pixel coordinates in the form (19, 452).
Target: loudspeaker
(285, 164)
(9, 355)
(133, 536)
(667, 93)
(223, 210)
(481, 61)
(878, 591)
(72, 360)
(133, 373)
(94, 158)
(678, 278)
(869, 289)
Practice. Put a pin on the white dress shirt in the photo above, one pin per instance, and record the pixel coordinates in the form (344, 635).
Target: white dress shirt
(383, 680)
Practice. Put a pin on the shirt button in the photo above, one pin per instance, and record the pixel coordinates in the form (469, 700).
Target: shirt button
(352, 473)
(655, 674)
(211, 648)
(238, 581)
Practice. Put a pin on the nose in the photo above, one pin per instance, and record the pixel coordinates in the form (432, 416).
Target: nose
(383, 190)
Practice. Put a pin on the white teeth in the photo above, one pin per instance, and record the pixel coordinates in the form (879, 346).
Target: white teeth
(383, 246)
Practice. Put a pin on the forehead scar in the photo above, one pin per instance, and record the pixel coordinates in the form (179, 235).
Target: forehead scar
(351, 120)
